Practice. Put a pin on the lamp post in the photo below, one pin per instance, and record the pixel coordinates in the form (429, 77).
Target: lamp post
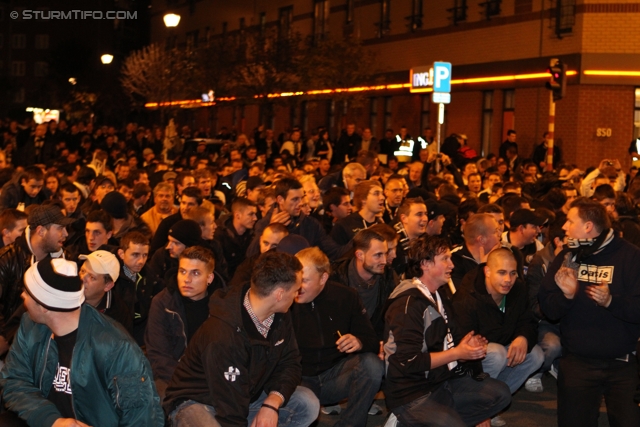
(171, 20)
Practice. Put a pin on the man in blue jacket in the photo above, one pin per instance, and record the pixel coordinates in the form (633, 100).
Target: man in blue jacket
(71, 366)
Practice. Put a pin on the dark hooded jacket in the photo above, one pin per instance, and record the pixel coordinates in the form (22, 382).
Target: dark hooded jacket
(229, 364)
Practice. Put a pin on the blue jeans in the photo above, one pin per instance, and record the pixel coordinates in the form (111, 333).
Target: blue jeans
(459, 402)
(495, 364)
(302, 409)
(356, 377)
(549, 342)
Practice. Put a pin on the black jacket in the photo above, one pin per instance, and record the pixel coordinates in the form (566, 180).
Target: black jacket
(589, 330)
(463, 262)
(15, 259)
(13, 194)
(476, 310)
(162, 270)
(340, 274)
(234, 245)
(413, 330)
(137, 298)
(316, 325)
(228, 363)
(347, 227)
(305, 226)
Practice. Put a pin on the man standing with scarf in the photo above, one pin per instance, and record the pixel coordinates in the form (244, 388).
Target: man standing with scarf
(593, 289)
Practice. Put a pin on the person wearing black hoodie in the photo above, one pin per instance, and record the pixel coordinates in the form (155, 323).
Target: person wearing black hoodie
(236, 233)
(592, 287)
(425, 382)
(243, 364)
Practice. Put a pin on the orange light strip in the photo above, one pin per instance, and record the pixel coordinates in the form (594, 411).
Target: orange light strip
(612, 73)
(198, 102)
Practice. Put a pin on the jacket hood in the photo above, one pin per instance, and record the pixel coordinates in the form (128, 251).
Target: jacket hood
(403, 286)
(225, 305)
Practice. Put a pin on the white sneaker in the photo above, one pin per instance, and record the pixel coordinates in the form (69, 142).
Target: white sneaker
(534, 385)
(331, 410)
(498, 421)
(553, 371)
(392, 421)
(375, 410)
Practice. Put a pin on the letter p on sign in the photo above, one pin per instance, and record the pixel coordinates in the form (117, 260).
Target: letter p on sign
(442, 77)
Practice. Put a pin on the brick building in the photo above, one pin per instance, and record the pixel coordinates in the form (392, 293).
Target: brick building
(499, 51)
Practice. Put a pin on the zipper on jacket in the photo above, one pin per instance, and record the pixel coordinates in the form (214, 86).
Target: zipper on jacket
(184, 333)
(46, 354)
(73, 406)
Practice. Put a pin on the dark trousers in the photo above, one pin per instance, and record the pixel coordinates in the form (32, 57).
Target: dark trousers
(458, 402)
(583, 381)
(356, 377)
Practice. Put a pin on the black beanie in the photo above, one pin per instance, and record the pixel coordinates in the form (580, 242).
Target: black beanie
(115, 204)
(187, 232)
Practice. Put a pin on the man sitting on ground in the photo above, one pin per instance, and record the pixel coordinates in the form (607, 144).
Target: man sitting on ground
(425, 384)
(337, 342)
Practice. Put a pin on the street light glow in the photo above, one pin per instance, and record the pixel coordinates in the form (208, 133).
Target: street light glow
(106, 58)
(171, 20)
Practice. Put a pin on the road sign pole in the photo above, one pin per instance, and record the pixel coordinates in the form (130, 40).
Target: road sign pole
(551, 136)
(440, 122)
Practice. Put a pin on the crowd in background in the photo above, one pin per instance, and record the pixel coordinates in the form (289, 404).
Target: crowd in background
(165, 223)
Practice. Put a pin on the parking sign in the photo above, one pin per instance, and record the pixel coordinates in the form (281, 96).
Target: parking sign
(442, 77)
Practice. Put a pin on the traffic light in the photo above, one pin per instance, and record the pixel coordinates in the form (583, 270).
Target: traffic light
(558, 82)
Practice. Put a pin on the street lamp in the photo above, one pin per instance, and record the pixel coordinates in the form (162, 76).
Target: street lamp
(171, 20)
(106, 58)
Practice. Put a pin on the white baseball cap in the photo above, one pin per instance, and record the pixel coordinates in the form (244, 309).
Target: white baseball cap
(103, 262)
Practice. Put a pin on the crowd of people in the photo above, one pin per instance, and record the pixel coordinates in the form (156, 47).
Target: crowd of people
(155, 277)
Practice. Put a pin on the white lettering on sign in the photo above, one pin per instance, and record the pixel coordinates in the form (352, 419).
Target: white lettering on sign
(595, 274)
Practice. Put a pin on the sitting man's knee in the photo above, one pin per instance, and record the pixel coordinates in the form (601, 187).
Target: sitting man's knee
(496, 354)
(372, 365)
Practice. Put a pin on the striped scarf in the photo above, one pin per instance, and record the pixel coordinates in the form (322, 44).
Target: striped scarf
(584, 248)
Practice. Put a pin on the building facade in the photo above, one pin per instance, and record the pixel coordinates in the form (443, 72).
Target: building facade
(499, 50)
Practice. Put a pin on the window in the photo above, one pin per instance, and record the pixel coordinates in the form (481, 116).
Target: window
(508, 111)
(242, 23)
(565, 16)
(1, 41)
(304, 116)
(1, 67)
(293, 115)
(320, 19)
(225, 26)
(42, 41)
(425, 117)
(487, 121)
(192, 39)
(350, 11)
(18, 41)
(636, 115)
(415, 20)
(1, 14)
(458, 11)
(331, 113)
(19, 96)
(387, 113)
(41, 69)
(384, 25)
(18, 68)
(285, 18)
(263, 23)
(373, 115)
(523, 6)
(491, 8)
